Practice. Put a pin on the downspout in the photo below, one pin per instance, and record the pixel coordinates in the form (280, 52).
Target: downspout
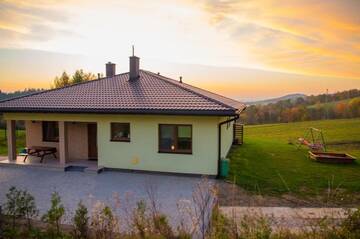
(219, 140)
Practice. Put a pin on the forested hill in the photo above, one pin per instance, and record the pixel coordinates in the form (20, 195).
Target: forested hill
(274, 100)
(345, 104)
(4, 96)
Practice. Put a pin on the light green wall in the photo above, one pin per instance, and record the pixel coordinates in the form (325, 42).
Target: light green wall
(142, 152)
(226, 137)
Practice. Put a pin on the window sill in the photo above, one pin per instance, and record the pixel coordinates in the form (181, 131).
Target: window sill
(120, 140)
(173, 152)
(51, 141)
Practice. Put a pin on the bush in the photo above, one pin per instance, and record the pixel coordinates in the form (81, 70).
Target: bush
(81, 222)
(103, 222)
(20, 204)
(53, 216)
(351, 225)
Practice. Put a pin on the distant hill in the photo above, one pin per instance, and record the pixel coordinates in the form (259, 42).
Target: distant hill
(274, 100)
(6, 96)
(343, 104)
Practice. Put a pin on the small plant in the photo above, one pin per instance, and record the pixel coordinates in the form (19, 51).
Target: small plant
(81, 222)
(20, 204)
(10, 207)
(255, 226)
(103, 221)
(139, 219)
(351, 225)
(54, 215)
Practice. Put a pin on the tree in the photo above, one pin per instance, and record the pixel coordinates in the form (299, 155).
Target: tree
(62, 81)
(78, 77)
(354, 107)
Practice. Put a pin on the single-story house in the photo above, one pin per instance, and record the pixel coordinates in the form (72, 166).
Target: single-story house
(136, 120)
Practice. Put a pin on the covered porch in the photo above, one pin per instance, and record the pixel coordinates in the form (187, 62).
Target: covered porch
(59, 145)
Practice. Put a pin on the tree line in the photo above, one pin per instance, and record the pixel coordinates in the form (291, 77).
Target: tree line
(78, 77)
(344, 104)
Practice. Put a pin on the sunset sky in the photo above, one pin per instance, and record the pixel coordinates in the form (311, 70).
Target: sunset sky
(243, 49)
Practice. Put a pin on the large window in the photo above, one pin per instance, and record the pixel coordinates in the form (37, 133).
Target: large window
(50, 131)
(120, 132)
(175, 138)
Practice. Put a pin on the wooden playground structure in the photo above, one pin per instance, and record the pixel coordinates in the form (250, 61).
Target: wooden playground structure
(314, 140)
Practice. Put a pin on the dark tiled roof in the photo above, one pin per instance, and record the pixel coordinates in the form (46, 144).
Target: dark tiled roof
(151, 94)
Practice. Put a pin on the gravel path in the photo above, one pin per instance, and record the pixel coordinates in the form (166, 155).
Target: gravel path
(76, 186)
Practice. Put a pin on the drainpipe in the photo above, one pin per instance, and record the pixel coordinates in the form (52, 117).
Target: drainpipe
(219, 140)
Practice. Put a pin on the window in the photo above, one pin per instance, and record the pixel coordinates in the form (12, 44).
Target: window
(120, 132)
(50, 131)
(175, 138)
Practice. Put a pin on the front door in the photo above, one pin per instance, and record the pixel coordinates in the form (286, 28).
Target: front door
(92, 142)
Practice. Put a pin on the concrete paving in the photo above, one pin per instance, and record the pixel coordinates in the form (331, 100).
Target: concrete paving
(76, 186)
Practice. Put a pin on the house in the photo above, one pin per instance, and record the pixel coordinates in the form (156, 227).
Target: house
(137, 120)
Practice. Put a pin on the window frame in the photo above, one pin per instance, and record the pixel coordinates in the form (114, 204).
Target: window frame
(175, 151)
(45, 139)
(119, 140)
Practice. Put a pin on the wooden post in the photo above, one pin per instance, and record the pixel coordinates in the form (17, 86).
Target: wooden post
(63, 145)
(11, 139)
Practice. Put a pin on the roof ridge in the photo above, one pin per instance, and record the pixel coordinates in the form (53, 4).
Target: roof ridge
(63, 87)
(174, 82)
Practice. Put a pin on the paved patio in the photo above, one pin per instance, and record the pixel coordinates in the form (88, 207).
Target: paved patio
(49, 163)
(75, 186)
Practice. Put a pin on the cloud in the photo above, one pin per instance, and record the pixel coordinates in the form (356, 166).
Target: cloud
(22, 22)
(321, 38)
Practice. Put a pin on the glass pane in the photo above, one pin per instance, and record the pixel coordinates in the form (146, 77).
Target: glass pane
(120, 131)
(167, 137)
(184, 143)
(50, 131)
(184, 131)
(184, 137)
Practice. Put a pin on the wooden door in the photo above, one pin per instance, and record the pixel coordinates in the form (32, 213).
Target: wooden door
(92, 142)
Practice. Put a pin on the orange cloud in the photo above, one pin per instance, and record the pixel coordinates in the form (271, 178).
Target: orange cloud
(321, 38)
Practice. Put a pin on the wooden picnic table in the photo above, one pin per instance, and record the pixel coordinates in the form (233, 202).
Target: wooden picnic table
(40, 151)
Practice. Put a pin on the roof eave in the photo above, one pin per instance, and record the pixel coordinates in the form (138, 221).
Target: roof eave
(122, 111)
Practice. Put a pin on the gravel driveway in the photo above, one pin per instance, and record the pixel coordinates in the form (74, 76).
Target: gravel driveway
(75, 186)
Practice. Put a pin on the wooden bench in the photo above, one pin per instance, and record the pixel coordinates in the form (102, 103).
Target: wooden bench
(40, 151)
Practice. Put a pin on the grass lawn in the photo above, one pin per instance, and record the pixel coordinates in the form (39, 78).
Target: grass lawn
(20, 141)
(268, 164)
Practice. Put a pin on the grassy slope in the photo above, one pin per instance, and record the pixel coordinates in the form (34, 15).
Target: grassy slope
(20, 141)
(269, 164)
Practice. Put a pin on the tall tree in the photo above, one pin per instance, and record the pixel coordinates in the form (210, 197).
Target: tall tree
(78, 77)
(63, 80)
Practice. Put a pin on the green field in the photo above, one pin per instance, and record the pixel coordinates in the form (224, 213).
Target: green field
(268, 164)
(20, 141)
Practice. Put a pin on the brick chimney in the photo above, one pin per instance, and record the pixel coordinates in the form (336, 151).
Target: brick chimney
(110, 69)
(134, 67)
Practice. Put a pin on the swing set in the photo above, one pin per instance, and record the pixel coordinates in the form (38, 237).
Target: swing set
(314, 139)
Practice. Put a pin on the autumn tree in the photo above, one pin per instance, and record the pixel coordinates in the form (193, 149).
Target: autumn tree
(78, 77)
(62, 81)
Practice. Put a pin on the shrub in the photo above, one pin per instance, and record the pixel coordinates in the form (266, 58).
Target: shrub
(53, 216)
(20, 204)
(351, 225)
(103, 222)
(81, 222)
